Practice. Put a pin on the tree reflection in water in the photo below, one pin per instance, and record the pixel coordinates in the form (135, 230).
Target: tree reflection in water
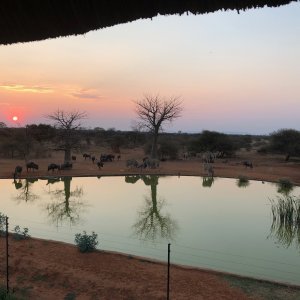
(151, 223)
(285, 226)
(24, 186)
(67, 204)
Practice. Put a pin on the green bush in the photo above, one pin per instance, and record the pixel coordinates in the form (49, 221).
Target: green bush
(85, 242)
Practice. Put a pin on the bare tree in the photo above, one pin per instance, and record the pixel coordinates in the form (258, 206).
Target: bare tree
(153, 111)
(67, 123)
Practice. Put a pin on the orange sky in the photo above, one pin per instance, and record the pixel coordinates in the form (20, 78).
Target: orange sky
(234, 72)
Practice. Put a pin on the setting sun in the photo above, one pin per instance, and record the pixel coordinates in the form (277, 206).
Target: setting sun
(15, 118)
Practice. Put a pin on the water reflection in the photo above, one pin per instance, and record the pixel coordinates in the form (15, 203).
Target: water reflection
(207, 181)
(66, 204)
(25, 189)
(152, 224)
(242, 182)
(285, 228)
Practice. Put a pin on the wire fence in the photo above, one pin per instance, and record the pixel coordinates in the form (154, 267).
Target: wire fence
(240, 264)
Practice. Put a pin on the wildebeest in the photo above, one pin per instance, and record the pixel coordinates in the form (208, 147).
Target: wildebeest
(18, 171)
(119, 157)
(93, 159)
(85, 155)
(53, 167)
(107, 157)
(100, 164)
(32, 166)
(73, 157)
(66, 166)
(247, 164)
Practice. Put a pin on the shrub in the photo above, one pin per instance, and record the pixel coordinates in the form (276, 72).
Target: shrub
(85, 242)
(243, 181)
(285, 186)
(19, 234)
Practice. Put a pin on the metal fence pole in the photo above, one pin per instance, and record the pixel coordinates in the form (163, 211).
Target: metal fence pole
(168, 284)
(7, 255)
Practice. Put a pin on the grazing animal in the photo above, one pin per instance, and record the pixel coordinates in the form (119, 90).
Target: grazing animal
(93, 159)
(247, 164)
(18, 171)
(119, 157)
(73, 157)
(32, 166)
(132, 163)
(208, 157)
(85, 155)
(151, 163)
(66, 166)
(53, 167)
(107, 157)
(100, 164)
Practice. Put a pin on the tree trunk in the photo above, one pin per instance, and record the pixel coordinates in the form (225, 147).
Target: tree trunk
(154, 145)
(67, 154)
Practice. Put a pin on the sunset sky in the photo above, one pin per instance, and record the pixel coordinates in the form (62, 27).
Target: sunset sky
(234, 72)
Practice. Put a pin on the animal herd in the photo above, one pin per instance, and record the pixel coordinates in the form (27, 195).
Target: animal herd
(207, 158)
(32, 166)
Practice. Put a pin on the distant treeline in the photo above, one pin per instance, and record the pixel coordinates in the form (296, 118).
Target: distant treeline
(42, 139)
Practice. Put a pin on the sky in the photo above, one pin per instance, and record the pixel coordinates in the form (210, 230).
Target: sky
(234, 72)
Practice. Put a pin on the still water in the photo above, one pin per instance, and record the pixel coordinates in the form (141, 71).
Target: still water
(222, 224)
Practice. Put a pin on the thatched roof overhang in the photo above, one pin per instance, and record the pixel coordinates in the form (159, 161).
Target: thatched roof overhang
(32, 20)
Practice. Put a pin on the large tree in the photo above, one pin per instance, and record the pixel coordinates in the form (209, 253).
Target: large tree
(153, 112)
(67, 124)
(285, 141)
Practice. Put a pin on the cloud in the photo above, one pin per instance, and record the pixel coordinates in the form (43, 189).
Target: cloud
(86, 94)
(27, 88)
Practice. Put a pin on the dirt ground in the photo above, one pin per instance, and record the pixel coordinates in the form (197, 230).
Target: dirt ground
(52, 270)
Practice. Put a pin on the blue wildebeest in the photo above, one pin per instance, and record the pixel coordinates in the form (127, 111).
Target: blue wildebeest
(107, 157)
(18, 171)
(93, 159)
(53, 167)
(85, 155)
(32, 166)
(247, 164)
(66, 166)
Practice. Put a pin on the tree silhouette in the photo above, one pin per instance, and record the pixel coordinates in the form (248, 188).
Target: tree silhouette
(67, 123)
(151, 223)
(153, 112)
(67, 204)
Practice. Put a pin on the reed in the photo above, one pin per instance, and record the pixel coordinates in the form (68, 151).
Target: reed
(286, 220)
